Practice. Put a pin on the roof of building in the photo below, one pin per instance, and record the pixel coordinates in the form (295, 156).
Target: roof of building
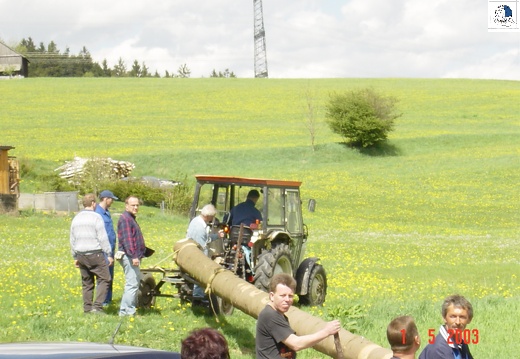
(10, 59)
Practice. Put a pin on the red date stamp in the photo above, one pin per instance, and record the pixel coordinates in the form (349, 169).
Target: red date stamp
(457, 336)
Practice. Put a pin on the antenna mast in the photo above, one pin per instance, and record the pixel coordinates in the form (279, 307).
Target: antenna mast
(259, 35)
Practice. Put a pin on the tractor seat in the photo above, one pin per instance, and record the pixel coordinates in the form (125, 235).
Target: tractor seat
(235, 232)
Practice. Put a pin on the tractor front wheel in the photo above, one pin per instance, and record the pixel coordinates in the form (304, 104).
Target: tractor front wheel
(317, 289)
(271, 262)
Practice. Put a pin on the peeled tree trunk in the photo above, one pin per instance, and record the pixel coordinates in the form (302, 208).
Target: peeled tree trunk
(250, 300)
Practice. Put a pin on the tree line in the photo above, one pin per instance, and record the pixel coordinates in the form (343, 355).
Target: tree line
(49, 61)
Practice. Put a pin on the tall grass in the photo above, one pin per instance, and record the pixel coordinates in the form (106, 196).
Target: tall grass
(432, 212)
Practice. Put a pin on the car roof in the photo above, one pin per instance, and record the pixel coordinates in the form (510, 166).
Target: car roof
(77, 350)
(245, 181)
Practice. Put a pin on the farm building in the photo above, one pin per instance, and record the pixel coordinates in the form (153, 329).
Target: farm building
(12, 63)
(9, 180)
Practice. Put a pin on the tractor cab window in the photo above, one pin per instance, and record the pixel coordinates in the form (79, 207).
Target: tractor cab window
(221, 201)
(275, 204)
(216, 195)
(293, 210)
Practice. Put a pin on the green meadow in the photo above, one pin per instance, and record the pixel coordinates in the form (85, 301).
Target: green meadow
(432, 212)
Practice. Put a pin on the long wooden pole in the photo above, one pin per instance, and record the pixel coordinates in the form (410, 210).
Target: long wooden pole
(250, 300)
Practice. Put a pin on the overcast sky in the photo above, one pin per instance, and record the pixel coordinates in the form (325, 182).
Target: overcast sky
(304, 38)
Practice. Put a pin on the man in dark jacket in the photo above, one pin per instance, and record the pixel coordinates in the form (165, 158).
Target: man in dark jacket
(246, 211)
(106, 198)
(457, 312)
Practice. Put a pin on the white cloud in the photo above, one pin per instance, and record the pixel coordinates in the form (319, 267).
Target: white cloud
(306, 38)
(505, 66)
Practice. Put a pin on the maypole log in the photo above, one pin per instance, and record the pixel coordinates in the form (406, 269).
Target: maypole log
(250, 300)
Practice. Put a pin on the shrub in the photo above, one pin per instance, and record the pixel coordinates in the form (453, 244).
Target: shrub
(176, 199)
(149, 196)
(363, 118)
(54, 183)
(97, 174)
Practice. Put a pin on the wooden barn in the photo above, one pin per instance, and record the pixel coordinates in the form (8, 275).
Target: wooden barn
(9, 180)
(12, 63)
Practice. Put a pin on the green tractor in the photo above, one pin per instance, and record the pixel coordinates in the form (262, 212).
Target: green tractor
(254, 252)
(257, 251)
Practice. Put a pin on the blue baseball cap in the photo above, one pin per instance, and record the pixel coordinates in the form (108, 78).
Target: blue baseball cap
(107, 194)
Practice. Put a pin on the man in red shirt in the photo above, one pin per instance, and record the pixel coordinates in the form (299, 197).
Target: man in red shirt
(131, 242)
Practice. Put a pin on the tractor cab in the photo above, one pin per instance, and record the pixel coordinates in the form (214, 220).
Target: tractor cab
(276, 243)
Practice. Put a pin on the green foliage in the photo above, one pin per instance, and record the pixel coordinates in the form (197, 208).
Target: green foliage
(441, 203)
(149, 196)
(119, 69)
(177, 199)
(220, 74)
(348, 315)
(41, 177)
(363, 118)
(183, 71)
(50, 62)
(54, 183)
(97, 172)
(26, 167)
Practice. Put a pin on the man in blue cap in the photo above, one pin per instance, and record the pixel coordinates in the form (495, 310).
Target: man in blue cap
(106, 198)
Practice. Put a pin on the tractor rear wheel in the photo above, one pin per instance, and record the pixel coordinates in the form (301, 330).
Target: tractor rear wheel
(317, 289)
(145, 298)
(271, 262)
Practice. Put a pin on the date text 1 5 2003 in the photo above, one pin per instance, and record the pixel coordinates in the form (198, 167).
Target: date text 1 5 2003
(457, 336)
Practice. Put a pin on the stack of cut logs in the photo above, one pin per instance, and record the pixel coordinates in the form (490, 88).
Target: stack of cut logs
(74, 169)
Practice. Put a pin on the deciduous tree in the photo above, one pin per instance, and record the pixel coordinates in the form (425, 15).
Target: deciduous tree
(363, 118)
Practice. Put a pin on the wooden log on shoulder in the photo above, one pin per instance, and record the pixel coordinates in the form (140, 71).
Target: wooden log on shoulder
(251, 301)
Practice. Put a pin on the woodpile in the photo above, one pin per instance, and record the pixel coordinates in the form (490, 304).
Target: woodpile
(102, 167)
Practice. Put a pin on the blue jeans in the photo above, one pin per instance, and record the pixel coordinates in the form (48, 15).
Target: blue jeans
(132, 279)
(108, 299)
(198, 292)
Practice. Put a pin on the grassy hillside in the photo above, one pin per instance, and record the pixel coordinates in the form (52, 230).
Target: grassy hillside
(433, 212)
(448, 167)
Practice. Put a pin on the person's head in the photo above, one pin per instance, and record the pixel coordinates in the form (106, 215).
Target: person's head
(253, 195)
(208, 213)
(205, 343)
(106, 198)
(89, 200)
(132, 205)
(457, 312)
(402, 335)
(281, 291)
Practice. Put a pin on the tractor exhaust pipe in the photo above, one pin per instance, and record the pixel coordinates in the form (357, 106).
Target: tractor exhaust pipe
(250, 300)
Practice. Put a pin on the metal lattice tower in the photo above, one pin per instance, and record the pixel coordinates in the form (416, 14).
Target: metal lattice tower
(259, 35)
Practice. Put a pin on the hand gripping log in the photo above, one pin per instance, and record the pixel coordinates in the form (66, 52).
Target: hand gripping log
(250, 300)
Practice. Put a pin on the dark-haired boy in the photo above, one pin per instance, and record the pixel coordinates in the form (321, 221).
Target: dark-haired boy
(403, 336)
